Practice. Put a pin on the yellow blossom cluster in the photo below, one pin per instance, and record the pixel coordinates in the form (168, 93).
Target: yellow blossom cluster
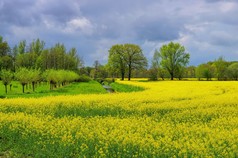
(167, 119)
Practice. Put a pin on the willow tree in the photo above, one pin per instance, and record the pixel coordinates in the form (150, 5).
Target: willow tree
(34, 77)
(23, 76)
(6, 77)
(173, 58)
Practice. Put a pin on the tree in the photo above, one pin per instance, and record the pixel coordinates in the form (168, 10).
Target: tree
(154, 70)
(205, 71)
(96, 69)
(59, 76)
(162, 73)
(23, 76)
(126, 57)
(232, 71)
(37, 46)
(73, 61)
(22, 47)
(173, 57)
(116, 59)
(180, 72)
(4, 47)
(6, 77)
(134, 57)
(220, 68)
(190, 72)
(34, 77)
(6, 61)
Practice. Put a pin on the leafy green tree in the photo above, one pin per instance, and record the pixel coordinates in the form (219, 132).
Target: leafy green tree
(4, 47)
(44, 60)
(155, 65)
(59, 77)
(14, 56)
(57, 58)
(22, 47)
(134, 57)
(116, 59)
(205, 71)
(232, 71)
(6, 61)
(162, 73)
(37, 47)
(51, 76)
(73, 61)
(173, 57)
(6, 77)
(96, 69)
(34, 77)
(126, 57)
(190, 72)
(180, 72)
(220, 68)
(23, 76)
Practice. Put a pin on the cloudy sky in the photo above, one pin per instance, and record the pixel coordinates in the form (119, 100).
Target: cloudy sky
(207, 28)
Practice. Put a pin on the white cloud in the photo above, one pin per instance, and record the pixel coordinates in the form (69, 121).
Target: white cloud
(227, 6)
(82, 25)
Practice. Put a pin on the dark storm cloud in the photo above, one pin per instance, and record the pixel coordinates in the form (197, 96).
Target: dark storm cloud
(205, 27)
(17, 12)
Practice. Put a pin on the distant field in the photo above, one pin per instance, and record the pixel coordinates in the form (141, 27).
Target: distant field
(165, 119)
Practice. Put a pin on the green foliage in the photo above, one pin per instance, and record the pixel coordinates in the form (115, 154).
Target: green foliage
(126, 57)
(173, 58)
(232, 71)
(59, 77)
(205, 71)
(220, 68)
(116, 60)
(5, 57)
(22, 47)
(37, 46)
(42, 90)
(6, 77)
(190, 72)
(23, 76)
(155, 65)
(153, 74)
(4, 47)
(134, 57)
(125, 88)
(35, 76)
(83, 78)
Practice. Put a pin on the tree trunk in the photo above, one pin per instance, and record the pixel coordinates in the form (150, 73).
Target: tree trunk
(122, 76)
(33, 86)
(172, 76)
(5, 88)
(23, 88)
(129, 73)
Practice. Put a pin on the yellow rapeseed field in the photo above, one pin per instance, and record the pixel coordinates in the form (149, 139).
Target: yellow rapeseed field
(167, 119)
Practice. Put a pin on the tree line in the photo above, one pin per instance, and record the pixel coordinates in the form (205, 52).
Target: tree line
(36, 56)
(26, 77)
(124, 61)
